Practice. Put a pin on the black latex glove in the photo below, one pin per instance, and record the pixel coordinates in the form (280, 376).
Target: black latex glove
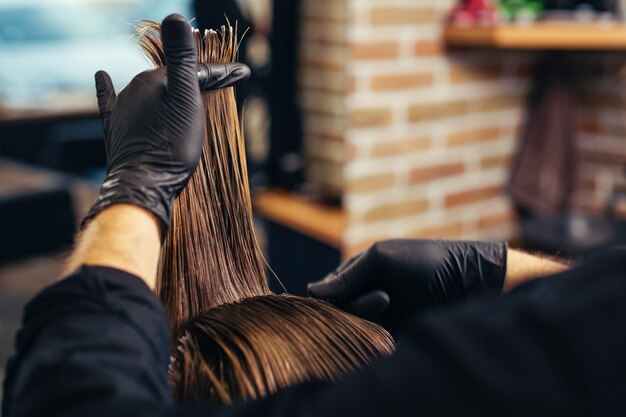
(395, 279)
(154, 128)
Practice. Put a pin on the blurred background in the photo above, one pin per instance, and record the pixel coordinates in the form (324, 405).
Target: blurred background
(364, 120)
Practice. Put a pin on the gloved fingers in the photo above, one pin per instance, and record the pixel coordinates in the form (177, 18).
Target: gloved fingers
(180, 53)
(348, 264)
(220, 75)
(369, 307)
(106, 98)
(351, 280)
(332, 288)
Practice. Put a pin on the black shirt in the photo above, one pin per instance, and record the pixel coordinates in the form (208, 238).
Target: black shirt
(96, 344)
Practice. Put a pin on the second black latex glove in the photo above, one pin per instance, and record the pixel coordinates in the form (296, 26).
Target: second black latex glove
(153, 129)
(395, 279)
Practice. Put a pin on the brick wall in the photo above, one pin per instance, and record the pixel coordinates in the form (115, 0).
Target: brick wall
(417, 139)
(322, 90)
(601, 139)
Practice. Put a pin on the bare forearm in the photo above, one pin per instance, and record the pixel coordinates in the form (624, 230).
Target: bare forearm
(522, 267)
(122, 236)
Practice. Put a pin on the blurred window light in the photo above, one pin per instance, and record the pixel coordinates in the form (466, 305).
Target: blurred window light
(51, 49)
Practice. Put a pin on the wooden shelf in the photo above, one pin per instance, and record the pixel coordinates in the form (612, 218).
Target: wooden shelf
(326, 224)
(17, 179)
(63, 107)
(541, 35)
(44, 115)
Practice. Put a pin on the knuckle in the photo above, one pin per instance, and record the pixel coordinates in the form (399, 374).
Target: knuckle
(379, 250)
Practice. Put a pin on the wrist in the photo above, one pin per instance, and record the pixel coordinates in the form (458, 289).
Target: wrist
(131, 187)
(522, 267)
(118, 216)
(481, 265)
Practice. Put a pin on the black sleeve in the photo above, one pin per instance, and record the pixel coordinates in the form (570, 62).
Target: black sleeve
(93, 344)
(554, 347)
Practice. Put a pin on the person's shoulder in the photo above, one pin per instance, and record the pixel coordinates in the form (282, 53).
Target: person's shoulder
(611, 260)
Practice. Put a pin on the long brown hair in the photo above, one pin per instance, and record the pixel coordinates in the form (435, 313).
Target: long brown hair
(253, 348)
(232, 338)
(210, 256)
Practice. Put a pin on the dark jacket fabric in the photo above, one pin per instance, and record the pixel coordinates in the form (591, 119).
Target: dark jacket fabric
(96, 344)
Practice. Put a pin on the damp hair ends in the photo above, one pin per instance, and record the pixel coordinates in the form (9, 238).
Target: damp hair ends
(257, 346)
(232, 339)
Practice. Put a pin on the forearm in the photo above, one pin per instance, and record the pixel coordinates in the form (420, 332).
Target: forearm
(100, 336)
(522, 267)
(122, 236)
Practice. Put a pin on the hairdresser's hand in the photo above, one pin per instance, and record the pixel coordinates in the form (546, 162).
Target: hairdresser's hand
(153, 129)
(395, 279)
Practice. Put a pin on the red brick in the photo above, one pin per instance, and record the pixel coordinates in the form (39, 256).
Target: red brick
(371, 183)
(399, 147)
(428, 48)
(371, 117)
(471, 73)
(499, 219)
(501, 103)
(382, 16)
(328, 136)
(402, 81)
(444, 231)
(430, 173)
(474, 136)
(505, 102)
(433, 111)
(375, 50)
(351, 152)
(489, 162)
(472, 196)
(395, 210)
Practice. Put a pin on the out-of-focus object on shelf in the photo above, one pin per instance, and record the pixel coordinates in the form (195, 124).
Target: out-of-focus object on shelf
(521, 11)
(583, 13)
(540, 36)
(474, 13)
